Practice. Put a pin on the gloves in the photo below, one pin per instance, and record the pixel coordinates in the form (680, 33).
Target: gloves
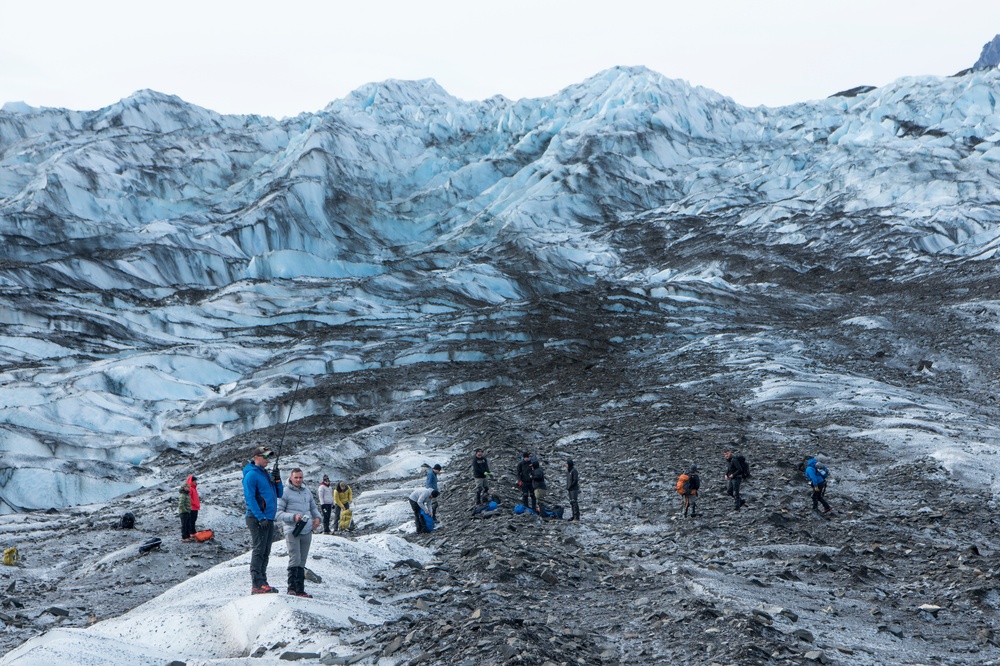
(264, 524)
(276, 474)
(347, 506)
(520, 483)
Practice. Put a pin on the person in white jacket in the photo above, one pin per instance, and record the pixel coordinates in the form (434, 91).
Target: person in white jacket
(295, 508)
(325, 493)
(421, 499)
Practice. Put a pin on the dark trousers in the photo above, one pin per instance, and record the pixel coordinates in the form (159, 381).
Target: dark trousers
(187, 525)
(194, 521)
(574, 503)
(421, 525)
(817, 497)
(262, 539)
(734, 491)
(326, 509)
(528, 497)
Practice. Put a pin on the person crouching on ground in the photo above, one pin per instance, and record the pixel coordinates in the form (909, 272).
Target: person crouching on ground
(326, 502)
(261, 493)
(420, 499)
(298, 510)
(342, 498)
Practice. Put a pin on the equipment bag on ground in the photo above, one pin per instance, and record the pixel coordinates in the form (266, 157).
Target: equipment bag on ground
(203, 535)
(427, 520)
(150, 545)
(346, 518)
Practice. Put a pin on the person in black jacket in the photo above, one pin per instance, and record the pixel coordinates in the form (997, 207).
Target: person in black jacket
(735, 473)
(573, 489)
(524, 481)
(481, 475)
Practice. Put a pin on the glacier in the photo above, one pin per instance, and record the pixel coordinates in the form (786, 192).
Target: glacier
(167, 272)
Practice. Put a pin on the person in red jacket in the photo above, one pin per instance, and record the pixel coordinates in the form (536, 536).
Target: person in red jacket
(192, 483)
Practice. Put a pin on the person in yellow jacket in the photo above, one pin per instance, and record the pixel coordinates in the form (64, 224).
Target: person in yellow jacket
(342, 498)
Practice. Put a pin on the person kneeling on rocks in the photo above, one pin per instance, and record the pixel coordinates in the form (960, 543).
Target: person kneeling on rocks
(420, 499)
(298, 510)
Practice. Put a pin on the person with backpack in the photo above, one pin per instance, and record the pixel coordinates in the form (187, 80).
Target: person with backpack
(420, 500)
(192, 483)
(524, 481)
(538, 484)
(736, 472)
(687, 486)
(816, 472)
(261, 493)
(184, 510)
(342, 498)
(573, 489)
(481, 476)
(325, 493)
(298, 510)
(432, 482)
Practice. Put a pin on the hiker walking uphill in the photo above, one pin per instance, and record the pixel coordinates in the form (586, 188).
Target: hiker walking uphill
(816, 473)
(298, 510)
(420, 500)
(184, 510)
(688, 484)
(736, 472)
(342, 498)
(524, 481)
(432, 482)
(325, 493)
(481, 475)
(573, 489)
(261, 493)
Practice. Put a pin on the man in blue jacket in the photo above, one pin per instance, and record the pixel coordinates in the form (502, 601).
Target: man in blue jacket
(261, 493)
(432, 482)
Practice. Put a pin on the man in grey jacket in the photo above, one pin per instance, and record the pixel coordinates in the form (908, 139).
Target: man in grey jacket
(298, 510)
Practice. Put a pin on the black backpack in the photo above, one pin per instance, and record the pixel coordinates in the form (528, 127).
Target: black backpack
(126, 522)
(694, 482)
(745, 465)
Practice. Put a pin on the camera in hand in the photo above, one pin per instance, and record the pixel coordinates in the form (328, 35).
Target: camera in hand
(299, 526)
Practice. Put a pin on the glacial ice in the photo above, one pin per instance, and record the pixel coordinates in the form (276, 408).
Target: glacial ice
(153, 250)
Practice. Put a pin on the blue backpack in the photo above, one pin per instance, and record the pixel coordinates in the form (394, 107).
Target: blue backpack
(428, 520)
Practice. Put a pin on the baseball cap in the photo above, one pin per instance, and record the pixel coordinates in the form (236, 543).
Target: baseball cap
(263, 451)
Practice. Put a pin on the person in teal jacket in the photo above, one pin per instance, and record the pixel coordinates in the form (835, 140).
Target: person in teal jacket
(261, 493)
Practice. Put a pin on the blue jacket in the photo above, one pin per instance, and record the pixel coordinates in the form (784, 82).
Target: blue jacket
(432, 480)
(815, 478)
(257, 483)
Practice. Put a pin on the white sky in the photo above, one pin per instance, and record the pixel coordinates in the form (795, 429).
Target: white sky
(284, 58)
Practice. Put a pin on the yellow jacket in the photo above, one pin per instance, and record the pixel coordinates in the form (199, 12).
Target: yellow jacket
(342, 497)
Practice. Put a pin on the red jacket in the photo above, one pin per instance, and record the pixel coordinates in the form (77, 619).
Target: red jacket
(195, 501)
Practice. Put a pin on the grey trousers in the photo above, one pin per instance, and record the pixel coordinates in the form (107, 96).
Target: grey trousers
(298, 547)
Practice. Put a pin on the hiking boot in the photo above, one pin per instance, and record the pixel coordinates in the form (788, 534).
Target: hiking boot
(263, 589)
(296, 593)
(828, 509)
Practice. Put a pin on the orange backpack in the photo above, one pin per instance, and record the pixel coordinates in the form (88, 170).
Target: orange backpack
(204, 535)
(682, 482)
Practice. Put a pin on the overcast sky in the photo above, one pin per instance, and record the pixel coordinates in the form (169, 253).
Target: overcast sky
(284, 58)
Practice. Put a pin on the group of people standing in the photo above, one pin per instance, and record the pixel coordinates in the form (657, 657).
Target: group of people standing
(530, 481)
(267, 500)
